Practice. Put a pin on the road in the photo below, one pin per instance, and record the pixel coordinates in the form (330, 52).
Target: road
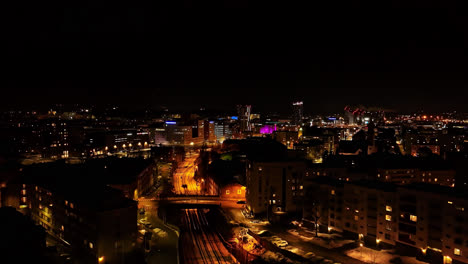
(165, 249)
(184, 182)
(200, 243)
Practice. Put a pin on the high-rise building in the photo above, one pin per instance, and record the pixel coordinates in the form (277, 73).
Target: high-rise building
(298, 112)
(243, 112)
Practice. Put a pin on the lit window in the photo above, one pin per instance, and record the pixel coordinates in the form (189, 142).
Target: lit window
(62, 227)
(239, 191)
(293, 188)
(66, 202)
(23, 199)
(23, 192)
(388, 217)
(449, 202)
(274, 195)
(457, 251)
(332, 192)
(71, 205)
(388, 208)
(356, 217)
(91, 245)
(301, 187)
(228, 192)
(413, 218)
(435, 179)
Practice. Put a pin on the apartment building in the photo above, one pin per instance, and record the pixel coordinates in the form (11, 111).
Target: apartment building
(274, 187)
(427, 220)
(100, 226)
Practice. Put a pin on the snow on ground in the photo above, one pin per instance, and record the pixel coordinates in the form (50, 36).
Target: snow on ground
(369, 255)
(324, 240)
(272, 257)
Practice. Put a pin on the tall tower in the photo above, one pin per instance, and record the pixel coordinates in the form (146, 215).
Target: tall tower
(243, 112)
(298, 112)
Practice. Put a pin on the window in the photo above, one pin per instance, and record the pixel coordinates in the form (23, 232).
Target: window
(413, 218)
(239, 191)
(332, 192)
(228, 192)
(71, 205)
(356, 217)
(91, 245)
(457, 251)
(388, 217)
(388, 208)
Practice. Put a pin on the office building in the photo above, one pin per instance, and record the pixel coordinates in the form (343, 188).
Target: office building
(243, 115)
(298, 112)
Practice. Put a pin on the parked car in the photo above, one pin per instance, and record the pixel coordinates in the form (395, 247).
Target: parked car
(281, 243)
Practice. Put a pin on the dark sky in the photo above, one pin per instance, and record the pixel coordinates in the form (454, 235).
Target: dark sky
(394, 56)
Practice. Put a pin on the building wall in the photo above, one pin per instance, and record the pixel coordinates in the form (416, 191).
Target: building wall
(116, 239)
(274, 185)
(91, 234)
(233, 191)
(432, 224)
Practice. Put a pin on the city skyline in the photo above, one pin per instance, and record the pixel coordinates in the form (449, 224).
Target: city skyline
(135, 133)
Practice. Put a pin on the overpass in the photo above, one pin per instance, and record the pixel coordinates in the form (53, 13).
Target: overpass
(191, 201)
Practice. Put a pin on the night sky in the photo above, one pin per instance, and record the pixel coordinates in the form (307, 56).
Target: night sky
(394, 56)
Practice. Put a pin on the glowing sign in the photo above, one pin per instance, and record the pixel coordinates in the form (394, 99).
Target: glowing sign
(170, 122)
(234, 117)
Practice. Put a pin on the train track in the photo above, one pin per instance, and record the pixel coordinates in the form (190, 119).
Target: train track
(201, 244)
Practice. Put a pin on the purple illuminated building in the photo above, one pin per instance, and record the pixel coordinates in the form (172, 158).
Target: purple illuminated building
(267, 129)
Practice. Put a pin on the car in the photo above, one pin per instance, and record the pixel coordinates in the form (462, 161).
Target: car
(240, 202)
(281, 243)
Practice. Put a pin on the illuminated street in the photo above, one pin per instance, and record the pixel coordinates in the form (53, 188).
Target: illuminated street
(184, 182)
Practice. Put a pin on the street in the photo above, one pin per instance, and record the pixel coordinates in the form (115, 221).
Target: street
(184, 182)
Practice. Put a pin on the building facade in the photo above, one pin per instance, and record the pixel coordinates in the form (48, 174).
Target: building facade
(427, 220)
(274, 187)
